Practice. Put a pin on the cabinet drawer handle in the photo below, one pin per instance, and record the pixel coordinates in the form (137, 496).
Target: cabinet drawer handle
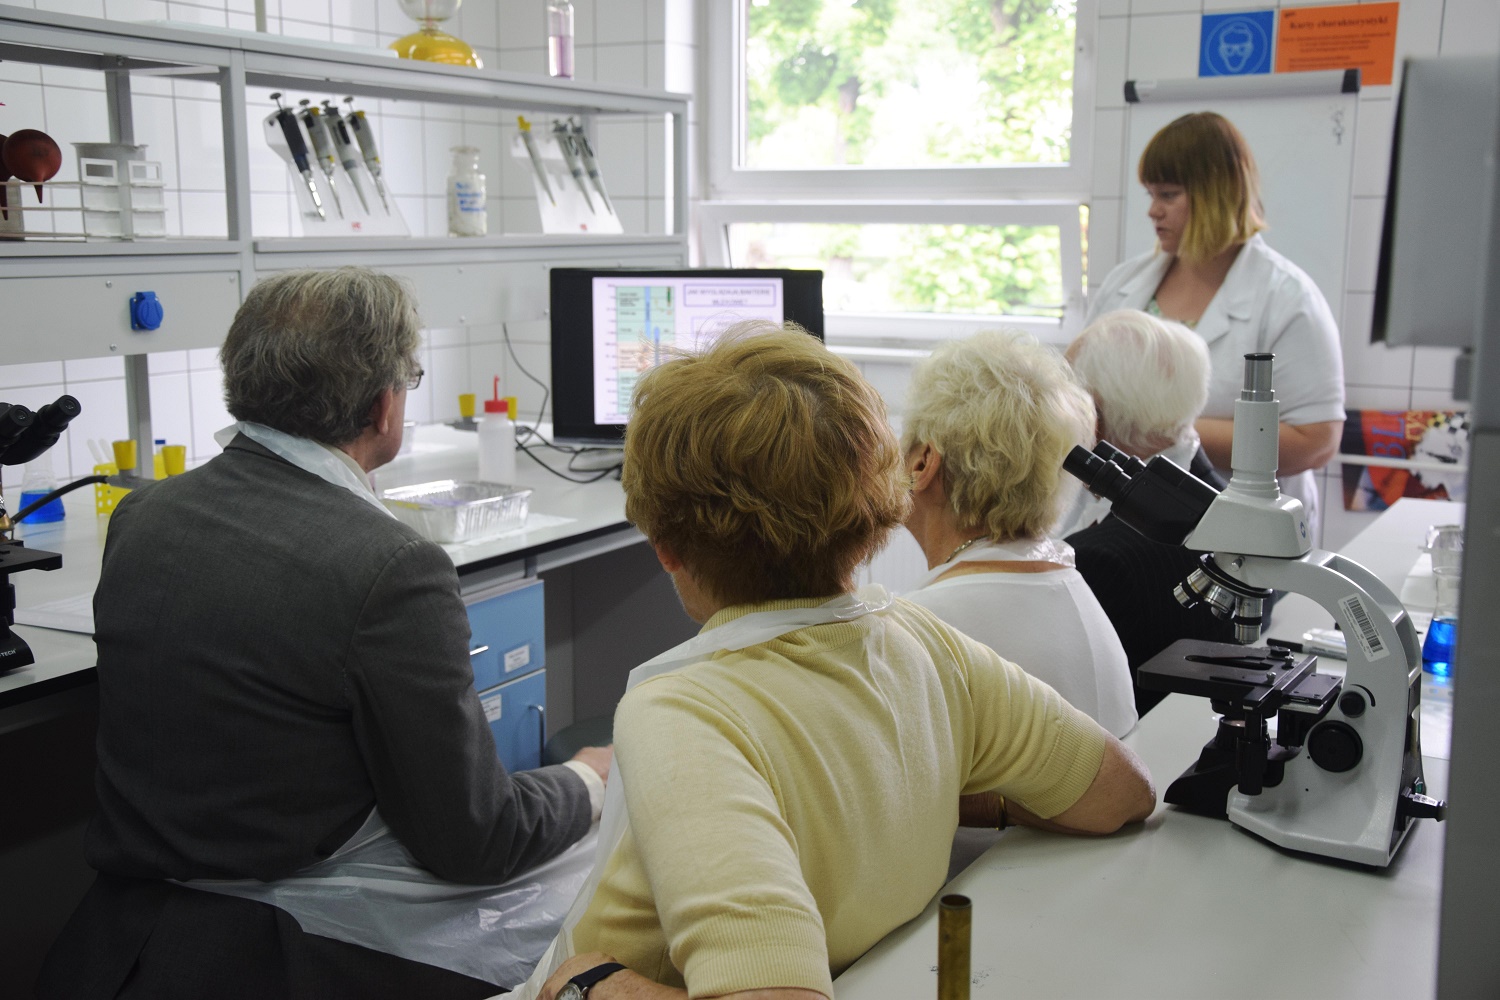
(477, 650)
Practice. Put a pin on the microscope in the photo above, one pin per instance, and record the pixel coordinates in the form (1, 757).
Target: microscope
(25, 434)
(1342, 775)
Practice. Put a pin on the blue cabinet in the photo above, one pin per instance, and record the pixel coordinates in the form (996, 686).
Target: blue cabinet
(518, 718)
(507, 634)
(508, 651)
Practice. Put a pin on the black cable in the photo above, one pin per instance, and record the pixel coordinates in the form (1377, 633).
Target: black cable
(564, 475)
(532, 432)
(546, 389)
(44, 501)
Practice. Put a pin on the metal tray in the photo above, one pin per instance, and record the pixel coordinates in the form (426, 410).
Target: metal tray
(453, 511)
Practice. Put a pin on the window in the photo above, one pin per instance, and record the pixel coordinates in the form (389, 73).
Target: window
(924, 153)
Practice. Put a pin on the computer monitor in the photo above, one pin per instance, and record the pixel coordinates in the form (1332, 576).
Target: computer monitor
(611, 324)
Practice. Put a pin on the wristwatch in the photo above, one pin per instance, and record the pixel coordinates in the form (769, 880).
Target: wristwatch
(579, 986)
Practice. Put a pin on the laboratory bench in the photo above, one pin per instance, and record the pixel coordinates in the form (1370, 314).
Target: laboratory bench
(1189, 906)
(570, 522)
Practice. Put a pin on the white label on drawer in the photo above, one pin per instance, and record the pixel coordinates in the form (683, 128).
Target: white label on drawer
(492, 708)
(518, 658)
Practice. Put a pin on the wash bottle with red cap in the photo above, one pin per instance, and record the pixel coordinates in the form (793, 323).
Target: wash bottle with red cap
(497, 440)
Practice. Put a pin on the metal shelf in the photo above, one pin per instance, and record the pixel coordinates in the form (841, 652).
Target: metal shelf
(460, 282)
(234, 60)
(512, 241)
(37, 249)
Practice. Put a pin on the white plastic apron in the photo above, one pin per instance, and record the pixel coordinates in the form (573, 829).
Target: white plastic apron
(373, 893)
(741, 633)
(305, 454)
(1048, 550)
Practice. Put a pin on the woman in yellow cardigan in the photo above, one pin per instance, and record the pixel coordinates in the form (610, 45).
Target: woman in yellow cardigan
(791, 777)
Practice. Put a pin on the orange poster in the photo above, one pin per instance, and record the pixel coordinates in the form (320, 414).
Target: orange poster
(1354, 36)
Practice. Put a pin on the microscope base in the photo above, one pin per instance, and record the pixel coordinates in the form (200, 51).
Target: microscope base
(1204, 788)
(15, 557)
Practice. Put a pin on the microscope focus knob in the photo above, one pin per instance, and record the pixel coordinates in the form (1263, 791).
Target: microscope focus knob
(1352, 703)
(1335, 746)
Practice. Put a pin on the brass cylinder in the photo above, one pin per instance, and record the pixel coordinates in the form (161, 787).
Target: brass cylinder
(955, 917)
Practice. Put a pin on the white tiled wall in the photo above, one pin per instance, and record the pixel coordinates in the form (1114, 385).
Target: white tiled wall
(635, 43)
(1159, 39)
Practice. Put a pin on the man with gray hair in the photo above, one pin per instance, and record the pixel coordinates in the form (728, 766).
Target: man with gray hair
(284, 679)
(1149, 378)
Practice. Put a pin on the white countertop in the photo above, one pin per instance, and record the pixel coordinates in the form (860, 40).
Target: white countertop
(1187, 906)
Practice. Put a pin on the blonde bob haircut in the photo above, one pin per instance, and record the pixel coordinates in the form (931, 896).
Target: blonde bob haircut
(765, 464)
(1149, 378)
(1002, 410)
(1209, 158)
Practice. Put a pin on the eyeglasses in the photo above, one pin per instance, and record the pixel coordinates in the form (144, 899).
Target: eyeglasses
(414, 381)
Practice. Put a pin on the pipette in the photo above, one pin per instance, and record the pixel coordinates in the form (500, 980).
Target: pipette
(590, 164)
(536, 158)
(565, 143)
(348, 150)
(298, 149)
(323, 147)
(360, 126)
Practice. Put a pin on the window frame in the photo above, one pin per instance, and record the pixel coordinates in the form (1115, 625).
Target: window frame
(715, 219)
(1050, 194)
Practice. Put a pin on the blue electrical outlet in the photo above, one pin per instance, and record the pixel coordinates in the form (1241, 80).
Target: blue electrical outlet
(145, 311)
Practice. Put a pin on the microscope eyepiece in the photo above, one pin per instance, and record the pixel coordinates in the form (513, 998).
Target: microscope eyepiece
(1100, 476)
(1128, 463)
(1258, 378)
(1157, 498)
(14, 419)
(41, 432)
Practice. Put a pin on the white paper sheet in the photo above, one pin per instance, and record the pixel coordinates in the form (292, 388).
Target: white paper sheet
(68, 614)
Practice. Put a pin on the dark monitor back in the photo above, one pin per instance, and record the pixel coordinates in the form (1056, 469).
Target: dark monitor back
(1432, 244)
(611, 324)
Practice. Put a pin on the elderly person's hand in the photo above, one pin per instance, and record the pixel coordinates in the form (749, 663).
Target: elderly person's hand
(571, 968)
(597, 758)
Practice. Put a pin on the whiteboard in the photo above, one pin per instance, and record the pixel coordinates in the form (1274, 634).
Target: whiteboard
(1304, 147)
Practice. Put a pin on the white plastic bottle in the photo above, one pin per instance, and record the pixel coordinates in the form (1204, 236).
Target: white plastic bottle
(497, 444)
(467, 211)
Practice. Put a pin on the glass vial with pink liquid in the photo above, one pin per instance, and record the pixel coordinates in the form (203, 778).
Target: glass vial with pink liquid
(560, 38)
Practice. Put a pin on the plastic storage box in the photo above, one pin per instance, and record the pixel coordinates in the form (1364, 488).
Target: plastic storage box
(453, 511)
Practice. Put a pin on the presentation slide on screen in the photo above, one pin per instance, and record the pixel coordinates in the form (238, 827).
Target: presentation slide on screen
(639, 317)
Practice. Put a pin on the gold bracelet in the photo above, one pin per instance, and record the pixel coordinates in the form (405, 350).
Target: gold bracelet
(1004, 818)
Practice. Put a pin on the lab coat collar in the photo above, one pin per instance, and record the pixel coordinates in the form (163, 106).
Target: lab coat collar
(1235, 301)
(1142, 287)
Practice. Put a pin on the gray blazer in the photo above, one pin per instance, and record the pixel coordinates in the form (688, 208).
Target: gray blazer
(275, 658)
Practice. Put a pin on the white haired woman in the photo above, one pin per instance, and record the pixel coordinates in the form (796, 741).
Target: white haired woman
(987, 424)
(1149, 379)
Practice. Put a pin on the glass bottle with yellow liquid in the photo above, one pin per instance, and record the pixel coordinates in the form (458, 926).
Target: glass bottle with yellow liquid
(430, 44)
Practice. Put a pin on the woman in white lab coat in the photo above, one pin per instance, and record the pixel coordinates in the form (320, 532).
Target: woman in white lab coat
(1212, 271)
